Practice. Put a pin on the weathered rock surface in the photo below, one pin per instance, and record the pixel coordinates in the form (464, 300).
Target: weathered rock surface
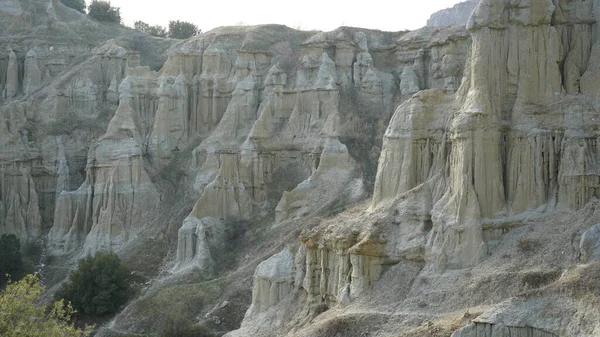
(197, 237)
(456, 167)
(458, 15)
(112, 205)
(589, 247)
(491, 138)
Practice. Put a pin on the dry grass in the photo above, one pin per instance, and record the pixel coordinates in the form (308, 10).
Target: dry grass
(528, 245)
(538, 279)
(443, 326)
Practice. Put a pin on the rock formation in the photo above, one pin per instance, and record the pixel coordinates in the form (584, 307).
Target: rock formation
(458, 15)
(251, 150)
(510, 141)
(112, 205)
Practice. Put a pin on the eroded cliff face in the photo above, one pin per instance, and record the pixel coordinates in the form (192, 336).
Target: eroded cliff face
(275, 145)
(384, 178)
(457, 15)
(458, 171)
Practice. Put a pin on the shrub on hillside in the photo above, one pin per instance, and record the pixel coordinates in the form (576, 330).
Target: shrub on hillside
(22, 315)
(182, 30)
(174, 325)
(11, 262)
(98, 286)
(75, 4)
(102, 11)
(528, 245)
(158, 31)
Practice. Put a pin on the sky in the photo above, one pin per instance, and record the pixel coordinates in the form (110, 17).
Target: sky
(323, 15)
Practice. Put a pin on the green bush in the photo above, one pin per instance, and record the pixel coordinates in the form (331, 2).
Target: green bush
(98, 286)
(102, 11)
(11, 262)
(182, 30)
(75, 4)
(158, 31)
(22, 315)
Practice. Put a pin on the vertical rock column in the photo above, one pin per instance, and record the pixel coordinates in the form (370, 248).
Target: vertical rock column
(11, 88)
(33, 76)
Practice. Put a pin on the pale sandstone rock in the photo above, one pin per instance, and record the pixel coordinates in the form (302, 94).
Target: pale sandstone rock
(19, 206)
(589, 83)
(110, 208)
(459, 14)
(589, 246)
(273, 281)
(197, 237)
(412, 150)
(11, 86)
(409, 82)
(503, 84)
(33, 76)
(520, 318)
(329, 179)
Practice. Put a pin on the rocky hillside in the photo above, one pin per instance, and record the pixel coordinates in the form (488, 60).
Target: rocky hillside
(459, 14)
(272, 182)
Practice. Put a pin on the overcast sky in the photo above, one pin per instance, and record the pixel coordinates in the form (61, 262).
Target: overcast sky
(324, 15)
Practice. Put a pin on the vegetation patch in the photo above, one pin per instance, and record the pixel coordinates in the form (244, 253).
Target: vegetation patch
(183, 301)
(99, 286)
(11, 263)
(528, 245)
(22, 315)
(539, 279)
(103, 11)
(78, 5)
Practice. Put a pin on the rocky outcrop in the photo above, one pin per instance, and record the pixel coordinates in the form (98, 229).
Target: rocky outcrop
(500, 330)
(509, 145)
(458, 15)
(273, 281)
(32, 79)
(112, 205)
(516, 138)
(589, 246)
(271, 123)
(199, 240)
(11, 84)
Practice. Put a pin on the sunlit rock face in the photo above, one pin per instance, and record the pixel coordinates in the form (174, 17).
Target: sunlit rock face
(457, 15)
(277, 121)
(515, 139)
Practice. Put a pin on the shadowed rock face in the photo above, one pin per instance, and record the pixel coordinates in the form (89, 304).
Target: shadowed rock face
(475, 129)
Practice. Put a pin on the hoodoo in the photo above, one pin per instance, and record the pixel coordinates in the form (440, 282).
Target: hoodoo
(267, 181)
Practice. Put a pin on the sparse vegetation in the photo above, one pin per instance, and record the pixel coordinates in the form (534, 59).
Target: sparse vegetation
(156, 30)
(99, 286)
(174, 325)
(184, 300)
(103, 11)
(585, 281)
(182, 30)
(541, 278)
(71, 122)
(11, 263)
(78, 5)
(22, 315)
(364, 124)
(528, 245)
